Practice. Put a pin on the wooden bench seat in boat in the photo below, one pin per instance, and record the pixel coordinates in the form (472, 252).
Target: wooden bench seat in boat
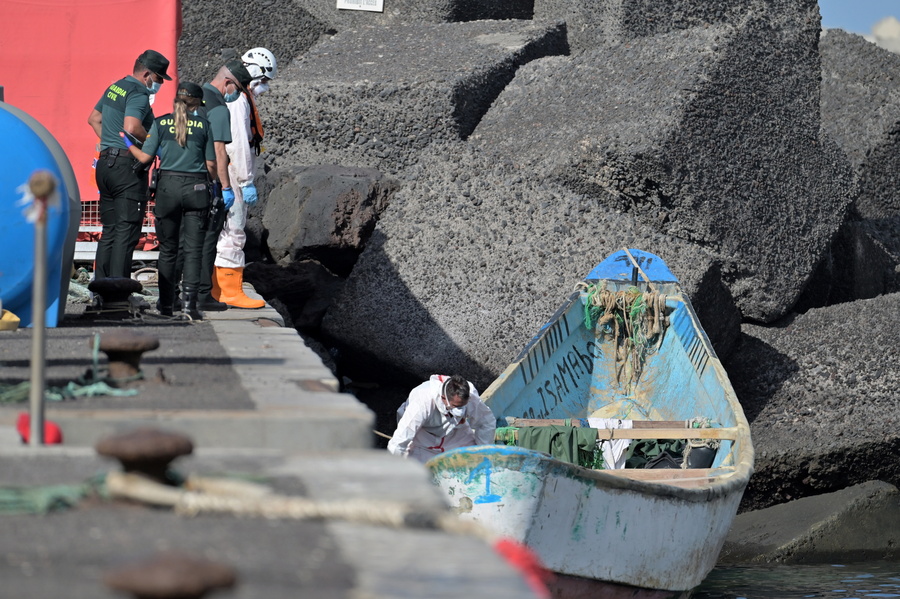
(641, 429)
(689, 478)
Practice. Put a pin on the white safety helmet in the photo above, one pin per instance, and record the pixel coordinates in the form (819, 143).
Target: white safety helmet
(260, 62)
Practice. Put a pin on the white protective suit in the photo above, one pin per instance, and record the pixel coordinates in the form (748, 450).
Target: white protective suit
(241, 171)
(426, 429)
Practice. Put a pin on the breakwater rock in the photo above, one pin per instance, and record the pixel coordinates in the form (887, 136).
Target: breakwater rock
(505, 153)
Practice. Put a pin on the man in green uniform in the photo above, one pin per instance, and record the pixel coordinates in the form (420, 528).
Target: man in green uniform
(121, 180)
(229, 82)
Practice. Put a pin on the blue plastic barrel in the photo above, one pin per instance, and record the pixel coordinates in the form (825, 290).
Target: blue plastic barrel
(25, 147)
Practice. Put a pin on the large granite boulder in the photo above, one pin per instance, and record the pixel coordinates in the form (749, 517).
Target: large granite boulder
(376, 96)
(820, 392)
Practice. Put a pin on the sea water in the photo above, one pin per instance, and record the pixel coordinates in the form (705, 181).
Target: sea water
(828, 581)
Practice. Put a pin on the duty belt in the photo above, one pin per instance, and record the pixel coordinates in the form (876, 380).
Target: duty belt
(112, 152)
(183, 174)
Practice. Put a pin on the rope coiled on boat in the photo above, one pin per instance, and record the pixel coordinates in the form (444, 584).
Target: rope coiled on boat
(633, 320)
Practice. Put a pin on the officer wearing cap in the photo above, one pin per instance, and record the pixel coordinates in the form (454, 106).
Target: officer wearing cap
(228, 84)
(184, 142)
(124, 106)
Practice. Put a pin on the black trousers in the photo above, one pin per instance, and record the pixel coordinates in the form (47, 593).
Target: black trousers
(182, 210)
(123, 202)
(208, 261)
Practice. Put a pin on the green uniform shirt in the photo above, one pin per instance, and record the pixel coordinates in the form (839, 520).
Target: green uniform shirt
(125, 97)
(198, 147)
(216, 111)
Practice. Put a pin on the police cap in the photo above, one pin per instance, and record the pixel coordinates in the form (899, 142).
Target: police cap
(190, 90)
(155, 62)
(240, 72)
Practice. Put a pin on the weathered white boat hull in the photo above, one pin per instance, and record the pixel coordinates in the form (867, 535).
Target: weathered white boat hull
(591, 523)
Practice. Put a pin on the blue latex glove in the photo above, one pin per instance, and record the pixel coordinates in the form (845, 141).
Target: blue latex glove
(249, 193)
(127, 141)
(228, 197)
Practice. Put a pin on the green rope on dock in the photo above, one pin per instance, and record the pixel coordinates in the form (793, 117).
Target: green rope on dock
(91, 384)
(19, 393)
(49, 498)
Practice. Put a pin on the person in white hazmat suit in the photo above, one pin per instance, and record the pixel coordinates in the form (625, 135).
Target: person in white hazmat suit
(228, 276)
(443, 413)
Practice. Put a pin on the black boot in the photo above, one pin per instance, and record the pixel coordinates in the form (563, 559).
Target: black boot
(166, 298)
(207, 302)
(177, 305)
(162, 309)
(191, 308)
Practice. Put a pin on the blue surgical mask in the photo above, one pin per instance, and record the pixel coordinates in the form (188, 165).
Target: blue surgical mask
(195, 113)
(233, 96)
(154, 87)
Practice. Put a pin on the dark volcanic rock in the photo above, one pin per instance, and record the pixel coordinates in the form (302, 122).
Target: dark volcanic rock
(655, 143)
(212, 26)
(376, 96)
(861, 263)
(419, 11)
(860, 109)
(696, 137)
(303, 289)
(322, 211)
(857, 524)
(472, 258)
(593, 24)
(820, 392)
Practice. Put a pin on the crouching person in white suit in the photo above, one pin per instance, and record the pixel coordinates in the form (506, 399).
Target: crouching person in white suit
(443, 413)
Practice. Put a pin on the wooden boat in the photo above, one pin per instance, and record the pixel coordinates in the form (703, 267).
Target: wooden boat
(652, 532)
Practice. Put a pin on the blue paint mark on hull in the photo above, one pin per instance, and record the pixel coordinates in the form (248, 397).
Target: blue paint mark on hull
(485, 468)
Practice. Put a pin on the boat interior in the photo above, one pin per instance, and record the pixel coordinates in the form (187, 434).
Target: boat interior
(651, 387)
(684, 472)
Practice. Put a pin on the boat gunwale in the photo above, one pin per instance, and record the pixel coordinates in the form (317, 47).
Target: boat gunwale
(723, 485)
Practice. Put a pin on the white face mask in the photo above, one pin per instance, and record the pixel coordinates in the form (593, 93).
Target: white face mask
(446, 408)
(258, 88)
(457, 412)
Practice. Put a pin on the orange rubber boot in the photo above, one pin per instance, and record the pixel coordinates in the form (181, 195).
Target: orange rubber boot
(231, 291)
(216, 290)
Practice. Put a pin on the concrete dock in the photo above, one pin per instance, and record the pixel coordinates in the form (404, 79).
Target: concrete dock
(259, 406)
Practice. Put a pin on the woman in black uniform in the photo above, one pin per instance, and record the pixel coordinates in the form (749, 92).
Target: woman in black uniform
(184, 143)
